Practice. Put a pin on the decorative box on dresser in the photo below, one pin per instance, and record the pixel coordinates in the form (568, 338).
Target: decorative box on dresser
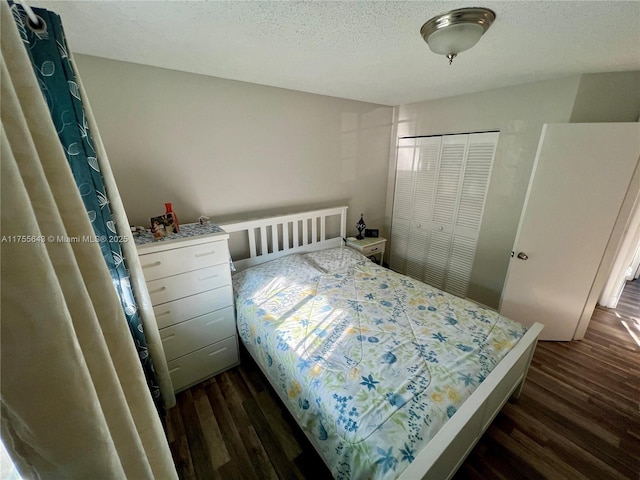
(189, 281)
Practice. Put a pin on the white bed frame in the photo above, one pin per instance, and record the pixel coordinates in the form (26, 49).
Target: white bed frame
(454, 441)
(295, 233)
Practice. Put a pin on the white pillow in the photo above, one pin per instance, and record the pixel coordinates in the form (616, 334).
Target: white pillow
(336, 259)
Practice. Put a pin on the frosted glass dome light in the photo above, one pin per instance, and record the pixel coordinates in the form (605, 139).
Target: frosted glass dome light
(456, 31)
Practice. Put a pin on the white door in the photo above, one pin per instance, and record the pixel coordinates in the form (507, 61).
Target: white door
(580, 179)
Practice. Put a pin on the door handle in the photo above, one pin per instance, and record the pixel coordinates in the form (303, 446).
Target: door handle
(523, 256)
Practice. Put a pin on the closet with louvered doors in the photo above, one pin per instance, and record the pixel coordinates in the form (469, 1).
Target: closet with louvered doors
(440, 191)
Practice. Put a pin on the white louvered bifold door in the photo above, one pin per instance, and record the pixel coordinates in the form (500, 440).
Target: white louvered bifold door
(426, 171)
(402, 205)
(437, 226)
(447, 193)
(473, 192)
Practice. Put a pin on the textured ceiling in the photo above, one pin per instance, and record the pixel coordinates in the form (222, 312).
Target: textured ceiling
(363, 50)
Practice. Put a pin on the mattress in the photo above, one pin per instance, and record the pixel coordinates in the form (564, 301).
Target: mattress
(371, 363)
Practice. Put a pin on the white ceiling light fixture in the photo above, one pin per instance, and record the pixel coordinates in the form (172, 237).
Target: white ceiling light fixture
(456, 31)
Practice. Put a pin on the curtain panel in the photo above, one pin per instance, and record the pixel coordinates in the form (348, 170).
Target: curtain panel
(50, 57)
(73, 394)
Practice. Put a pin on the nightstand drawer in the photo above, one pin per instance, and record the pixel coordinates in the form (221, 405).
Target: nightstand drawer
(369, 246)
(179, 286)
(203, 363)
(180, 260)
(198, 332)
(372, 249)
(177, 311)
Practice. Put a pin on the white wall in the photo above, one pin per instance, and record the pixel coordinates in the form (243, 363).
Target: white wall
(230, 149)
(518, 113)
(223, 148)
(607, 97)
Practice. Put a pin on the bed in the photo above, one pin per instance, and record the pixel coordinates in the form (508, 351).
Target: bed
(387, 376)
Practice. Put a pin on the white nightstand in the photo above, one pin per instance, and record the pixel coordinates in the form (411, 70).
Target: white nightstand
(369, 246)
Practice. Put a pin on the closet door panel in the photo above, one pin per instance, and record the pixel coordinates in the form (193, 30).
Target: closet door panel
(417, 253)
(427, 161)
(437, 259)
(473, 193)
(449, 175)
(402, 205)
(475, 180)
(399, 245)
(461, 261)
(403, 196)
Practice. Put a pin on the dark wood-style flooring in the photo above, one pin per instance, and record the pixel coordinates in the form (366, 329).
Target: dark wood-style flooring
(578, 417)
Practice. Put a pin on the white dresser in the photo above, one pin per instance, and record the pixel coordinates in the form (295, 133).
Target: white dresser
(189, 281)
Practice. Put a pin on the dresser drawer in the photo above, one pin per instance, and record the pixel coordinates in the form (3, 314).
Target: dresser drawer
(185, 259)
(198, 332)
(177, 311)
(186, 284)
(203, 363)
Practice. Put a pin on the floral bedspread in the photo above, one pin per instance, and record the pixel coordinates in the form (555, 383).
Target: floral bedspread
(372, 362)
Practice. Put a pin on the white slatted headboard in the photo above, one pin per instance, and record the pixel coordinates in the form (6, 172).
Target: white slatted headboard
(274, 237)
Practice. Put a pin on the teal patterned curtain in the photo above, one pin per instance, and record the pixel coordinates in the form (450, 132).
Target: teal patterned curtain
(49, 54)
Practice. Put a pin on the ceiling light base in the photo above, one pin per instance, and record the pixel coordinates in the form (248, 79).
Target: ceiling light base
(456, 31)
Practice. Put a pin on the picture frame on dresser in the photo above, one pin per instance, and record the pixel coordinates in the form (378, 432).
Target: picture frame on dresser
(163, 225)
(188, 277)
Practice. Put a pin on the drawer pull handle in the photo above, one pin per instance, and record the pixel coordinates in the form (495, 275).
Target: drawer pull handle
(207, 278)
(374, 249)
(168, 312)
(168, 337)
(214, 321)
(154, 264)
(174, 370)
(217, 351)
(158, 290)
(212, 252)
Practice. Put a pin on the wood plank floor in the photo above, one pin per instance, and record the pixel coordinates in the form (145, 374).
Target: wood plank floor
(578, 417)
